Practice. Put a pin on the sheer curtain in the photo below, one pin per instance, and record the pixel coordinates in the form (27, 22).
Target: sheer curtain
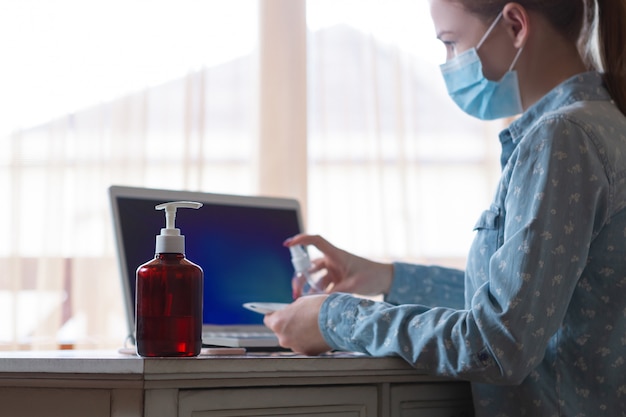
(396, 170)
(63, 278)
(350, 117)
(160, 94)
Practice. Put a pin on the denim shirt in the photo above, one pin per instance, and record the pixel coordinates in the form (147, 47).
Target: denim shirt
(537, 321)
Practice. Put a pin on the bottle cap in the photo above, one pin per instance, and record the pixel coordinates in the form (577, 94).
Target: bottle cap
(170, 240)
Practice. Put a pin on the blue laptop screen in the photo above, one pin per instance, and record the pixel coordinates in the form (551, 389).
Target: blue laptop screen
(239, 249)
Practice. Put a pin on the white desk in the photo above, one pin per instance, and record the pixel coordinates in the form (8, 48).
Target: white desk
(108, 384)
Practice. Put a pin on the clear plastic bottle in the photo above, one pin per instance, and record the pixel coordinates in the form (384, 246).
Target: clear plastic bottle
(169, 290)
(304, 282)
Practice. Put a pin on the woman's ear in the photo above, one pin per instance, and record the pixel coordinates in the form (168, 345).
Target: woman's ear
(517, 23)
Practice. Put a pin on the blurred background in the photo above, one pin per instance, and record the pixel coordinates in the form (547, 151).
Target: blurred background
(338, 103)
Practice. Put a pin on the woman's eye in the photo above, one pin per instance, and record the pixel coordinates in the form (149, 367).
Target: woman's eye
(450, 46)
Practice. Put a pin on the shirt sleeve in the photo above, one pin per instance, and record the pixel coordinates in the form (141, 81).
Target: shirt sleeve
(428, 285)
(553, 201)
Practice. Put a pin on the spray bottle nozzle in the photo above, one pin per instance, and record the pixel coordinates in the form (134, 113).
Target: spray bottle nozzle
(300, 258)
(170, 240)
(302, 266)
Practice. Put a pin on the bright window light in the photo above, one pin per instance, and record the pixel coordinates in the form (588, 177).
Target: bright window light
(406, 23)
(60, 56)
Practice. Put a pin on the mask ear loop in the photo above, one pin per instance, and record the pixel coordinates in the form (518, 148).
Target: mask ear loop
(484, 38)
(493, 25)
(519, 52)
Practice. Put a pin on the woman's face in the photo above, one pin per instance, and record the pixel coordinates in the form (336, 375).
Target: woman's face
(460, 30)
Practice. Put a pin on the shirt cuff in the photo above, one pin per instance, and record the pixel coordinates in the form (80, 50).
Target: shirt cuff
(337, 320)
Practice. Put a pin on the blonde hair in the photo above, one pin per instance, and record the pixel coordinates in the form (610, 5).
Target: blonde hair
(597, 27)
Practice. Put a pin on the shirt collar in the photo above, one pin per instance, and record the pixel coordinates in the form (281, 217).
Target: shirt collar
(588, 86)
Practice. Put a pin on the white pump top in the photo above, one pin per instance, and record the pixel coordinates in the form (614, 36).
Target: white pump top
(170, 240)
(300, 259)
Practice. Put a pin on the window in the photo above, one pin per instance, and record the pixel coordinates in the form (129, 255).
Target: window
(167, 94)
(396, 171)
(149, 93)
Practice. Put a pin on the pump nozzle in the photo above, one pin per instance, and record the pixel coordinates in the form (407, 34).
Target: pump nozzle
(170, 240)
(170, 211)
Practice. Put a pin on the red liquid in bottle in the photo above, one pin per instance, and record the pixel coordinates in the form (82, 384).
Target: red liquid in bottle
(169, 307)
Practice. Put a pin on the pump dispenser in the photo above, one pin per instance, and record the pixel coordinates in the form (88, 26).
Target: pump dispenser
(304, 282)
(169, 289)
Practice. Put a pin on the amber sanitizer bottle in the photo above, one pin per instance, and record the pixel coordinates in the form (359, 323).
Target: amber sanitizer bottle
(168, 304)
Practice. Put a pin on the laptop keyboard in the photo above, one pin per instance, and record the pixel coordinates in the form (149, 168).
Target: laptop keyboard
(241, 338)
(240, 335)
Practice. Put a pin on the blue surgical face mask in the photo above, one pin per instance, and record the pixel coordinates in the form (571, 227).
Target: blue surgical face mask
(476, 95)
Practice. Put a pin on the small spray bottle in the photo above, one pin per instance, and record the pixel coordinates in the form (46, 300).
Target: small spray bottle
(168, 304)
(304, 282)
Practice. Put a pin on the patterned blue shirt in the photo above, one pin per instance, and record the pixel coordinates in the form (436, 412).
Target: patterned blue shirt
(537, 321)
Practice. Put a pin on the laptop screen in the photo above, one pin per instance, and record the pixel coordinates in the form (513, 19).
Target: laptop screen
(236, 240)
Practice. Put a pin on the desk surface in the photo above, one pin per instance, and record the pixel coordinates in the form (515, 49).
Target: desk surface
(110, 384)
(246, 366)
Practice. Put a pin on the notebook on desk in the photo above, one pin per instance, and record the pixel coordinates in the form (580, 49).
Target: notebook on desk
(237, 240)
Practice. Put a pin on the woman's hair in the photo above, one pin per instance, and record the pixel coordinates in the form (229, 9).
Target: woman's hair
(598, 27)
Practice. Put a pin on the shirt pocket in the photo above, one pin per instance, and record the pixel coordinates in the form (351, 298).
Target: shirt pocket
(489, 232)
(488, 238)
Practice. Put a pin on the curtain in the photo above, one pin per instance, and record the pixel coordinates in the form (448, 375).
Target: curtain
(198, 130)
(60, 242)
(354, 124)
(396, 170)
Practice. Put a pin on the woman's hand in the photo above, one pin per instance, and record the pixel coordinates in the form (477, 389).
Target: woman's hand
(296, 325)
(346, 272)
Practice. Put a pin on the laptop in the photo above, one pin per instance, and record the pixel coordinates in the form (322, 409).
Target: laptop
(236, 240)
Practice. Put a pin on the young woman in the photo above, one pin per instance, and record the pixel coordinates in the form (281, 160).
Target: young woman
(537, 321)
